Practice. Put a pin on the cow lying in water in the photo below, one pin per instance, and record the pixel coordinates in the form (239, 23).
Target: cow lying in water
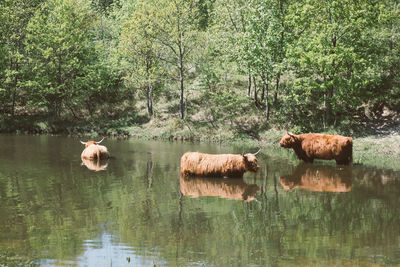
(320, 146)
(94, 151)
(222, 165)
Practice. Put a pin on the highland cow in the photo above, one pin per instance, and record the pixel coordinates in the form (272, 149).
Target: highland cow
(319, 178)
(94, 151)
(222, 165)
(223, 188)
(320, 146)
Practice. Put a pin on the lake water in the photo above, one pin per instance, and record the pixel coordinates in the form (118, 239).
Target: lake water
(137, 211)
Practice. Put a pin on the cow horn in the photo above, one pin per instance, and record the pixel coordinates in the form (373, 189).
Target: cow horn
(100, 141)
(84, 143)
(257, 151)
(290, 134)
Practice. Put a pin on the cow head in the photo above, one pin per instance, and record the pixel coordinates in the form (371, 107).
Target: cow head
(289, 140)
(251, 162)
(88, 143)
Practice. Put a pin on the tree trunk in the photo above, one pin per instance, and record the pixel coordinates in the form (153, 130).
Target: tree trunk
(329, 111)
(148, 99)
(181, 103)
(255, 90)
(267, 108)
(149, 96)
(278, 79)
(249, 86)
(262, 94)
(14, 95)
(151, 99)
(61, 96)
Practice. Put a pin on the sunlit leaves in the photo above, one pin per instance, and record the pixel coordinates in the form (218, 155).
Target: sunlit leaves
(62, 55)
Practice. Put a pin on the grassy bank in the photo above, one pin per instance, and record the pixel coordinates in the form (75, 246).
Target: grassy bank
(377, 150)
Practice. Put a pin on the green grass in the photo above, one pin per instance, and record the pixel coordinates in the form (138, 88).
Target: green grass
(378, 151)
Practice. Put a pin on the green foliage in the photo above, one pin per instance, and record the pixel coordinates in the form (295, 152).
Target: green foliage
(226, 105)
(314, 65)
(65, 70)
(334, 61)
(14, 18)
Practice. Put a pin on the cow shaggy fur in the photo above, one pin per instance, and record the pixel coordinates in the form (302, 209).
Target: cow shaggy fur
(320, 146)
(222, 165)
(94, 151)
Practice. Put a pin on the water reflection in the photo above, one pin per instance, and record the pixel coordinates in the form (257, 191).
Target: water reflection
(218, 187)
(320, 178)
(134, 214)
(95, 165)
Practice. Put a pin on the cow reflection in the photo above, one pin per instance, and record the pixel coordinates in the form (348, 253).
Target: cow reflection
(95, 165)
(218, 187)
(320, 178)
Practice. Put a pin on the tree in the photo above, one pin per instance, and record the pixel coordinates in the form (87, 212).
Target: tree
(231, 26)
(142, 52)
(174, 24)
(266, 43)
(61, 54)
(333, 59)
(14, 17)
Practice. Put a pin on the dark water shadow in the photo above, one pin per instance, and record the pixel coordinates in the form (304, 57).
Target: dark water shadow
(319, 178)
(218, 187)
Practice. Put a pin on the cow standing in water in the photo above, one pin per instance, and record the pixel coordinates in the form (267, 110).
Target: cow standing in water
(94, 151)
(222, 165)
(320, 146)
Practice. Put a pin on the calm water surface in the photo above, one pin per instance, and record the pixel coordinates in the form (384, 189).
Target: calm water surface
(137, 211)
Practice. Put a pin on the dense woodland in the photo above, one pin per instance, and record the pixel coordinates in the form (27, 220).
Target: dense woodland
(249, 64)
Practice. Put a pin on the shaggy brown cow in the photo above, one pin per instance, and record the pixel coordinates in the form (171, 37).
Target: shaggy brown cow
(222, 165)
(320, 146)
(94, 151)
(223, 188)
(319, 178)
